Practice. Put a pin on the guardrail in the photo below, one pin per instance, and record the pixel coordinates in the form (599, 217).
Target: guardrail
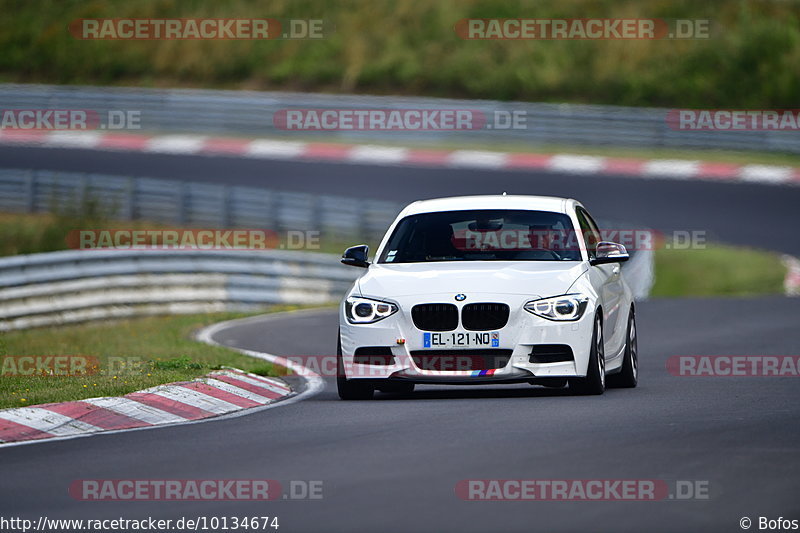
(197, 204)
(251, 113)
(79, 285)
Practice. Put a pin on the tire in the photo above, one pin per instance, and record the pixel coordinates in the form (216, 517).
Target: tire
(628, 377)
(595, 380)
(396, 387)
(350, 389)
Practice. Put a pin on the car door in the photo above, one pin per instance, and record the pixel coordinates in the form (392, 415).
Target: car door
(607, 279)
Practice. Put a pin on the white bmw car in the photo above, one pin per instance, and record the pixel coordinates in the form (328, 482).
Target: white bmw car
(488, 289)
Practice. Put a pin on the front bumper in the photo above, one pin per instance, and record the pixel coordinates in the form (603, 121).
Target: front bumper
(520, 335)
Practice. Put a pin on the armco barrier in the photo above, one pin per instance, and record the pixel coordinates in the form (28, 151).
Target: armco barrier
(197, 204)
(251, 113)
(77, 285)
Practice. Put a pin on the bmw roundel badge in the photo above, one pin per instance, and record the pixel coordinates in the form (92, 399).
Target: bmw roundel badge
(461, 297)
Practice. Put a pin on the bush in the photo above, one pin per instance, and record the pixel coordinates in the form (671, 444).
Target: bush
(410, 47)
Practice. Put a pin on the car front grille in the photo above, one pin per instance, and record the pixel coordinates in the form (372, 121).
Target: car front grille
(461, 360)
(484, 316)
(435, 317)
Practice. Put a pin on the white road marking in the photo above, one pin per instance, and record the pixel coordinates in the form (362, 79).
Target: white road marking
(676, 168)
(275, 149)
(258, 382)
(791, 283)
(477, 159)
(765, 173)
(74, 139)
(136, 410)
(47, 421)
(197, 399)
(377, 154)
(238, 391)
(579, 164)
(175, 144)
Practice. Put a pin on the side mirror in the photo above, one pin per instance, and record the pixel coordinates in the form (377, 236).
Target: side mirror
(610, 252)
(356, 256)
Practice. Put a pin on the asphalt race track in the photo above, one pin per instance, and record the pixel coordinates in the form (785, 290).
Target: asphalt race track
(392, 464)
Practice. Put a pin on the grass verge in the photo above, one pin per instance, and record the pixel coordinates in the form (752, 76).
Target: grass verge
(717, 271)
(132, 355)
(31, 233)
(26, 233)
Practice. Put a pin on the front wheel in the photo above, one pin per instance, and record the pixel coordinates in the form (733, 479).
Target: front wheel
(350, 389)
(595, 380)
(629, 375)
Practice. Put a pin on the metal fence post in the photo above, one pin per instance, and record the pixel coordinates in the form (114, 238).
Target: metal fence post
(226, 215)
(83, 191)
(30, 191)
(184, 203)
(130, 199)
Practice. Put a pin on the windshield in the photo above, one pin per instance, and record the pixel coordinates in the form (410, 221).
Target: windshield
(482, 235)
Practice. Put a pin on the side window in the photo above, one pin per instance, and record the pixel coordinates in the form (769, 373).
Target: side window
(589, 232)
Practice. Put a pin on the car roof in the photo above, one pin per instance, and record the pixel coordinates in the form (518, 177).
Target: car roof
(495, 201)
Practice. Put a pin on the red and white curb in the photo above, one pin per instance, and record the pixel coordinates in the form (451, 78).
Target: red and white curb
(390, 155)
(791, 283)
(223, 392)
(312, 382)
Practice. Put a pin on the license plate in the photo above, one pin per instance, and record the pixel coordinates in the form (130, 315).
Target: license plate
(465, 339)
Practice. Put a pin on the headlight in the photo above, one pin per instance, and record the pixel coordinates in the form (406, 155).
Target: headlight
(567, 307)
(366, 311)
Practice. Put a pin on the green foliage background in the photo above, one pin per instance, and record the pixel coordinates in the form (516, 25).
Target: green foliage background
(409, 47)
